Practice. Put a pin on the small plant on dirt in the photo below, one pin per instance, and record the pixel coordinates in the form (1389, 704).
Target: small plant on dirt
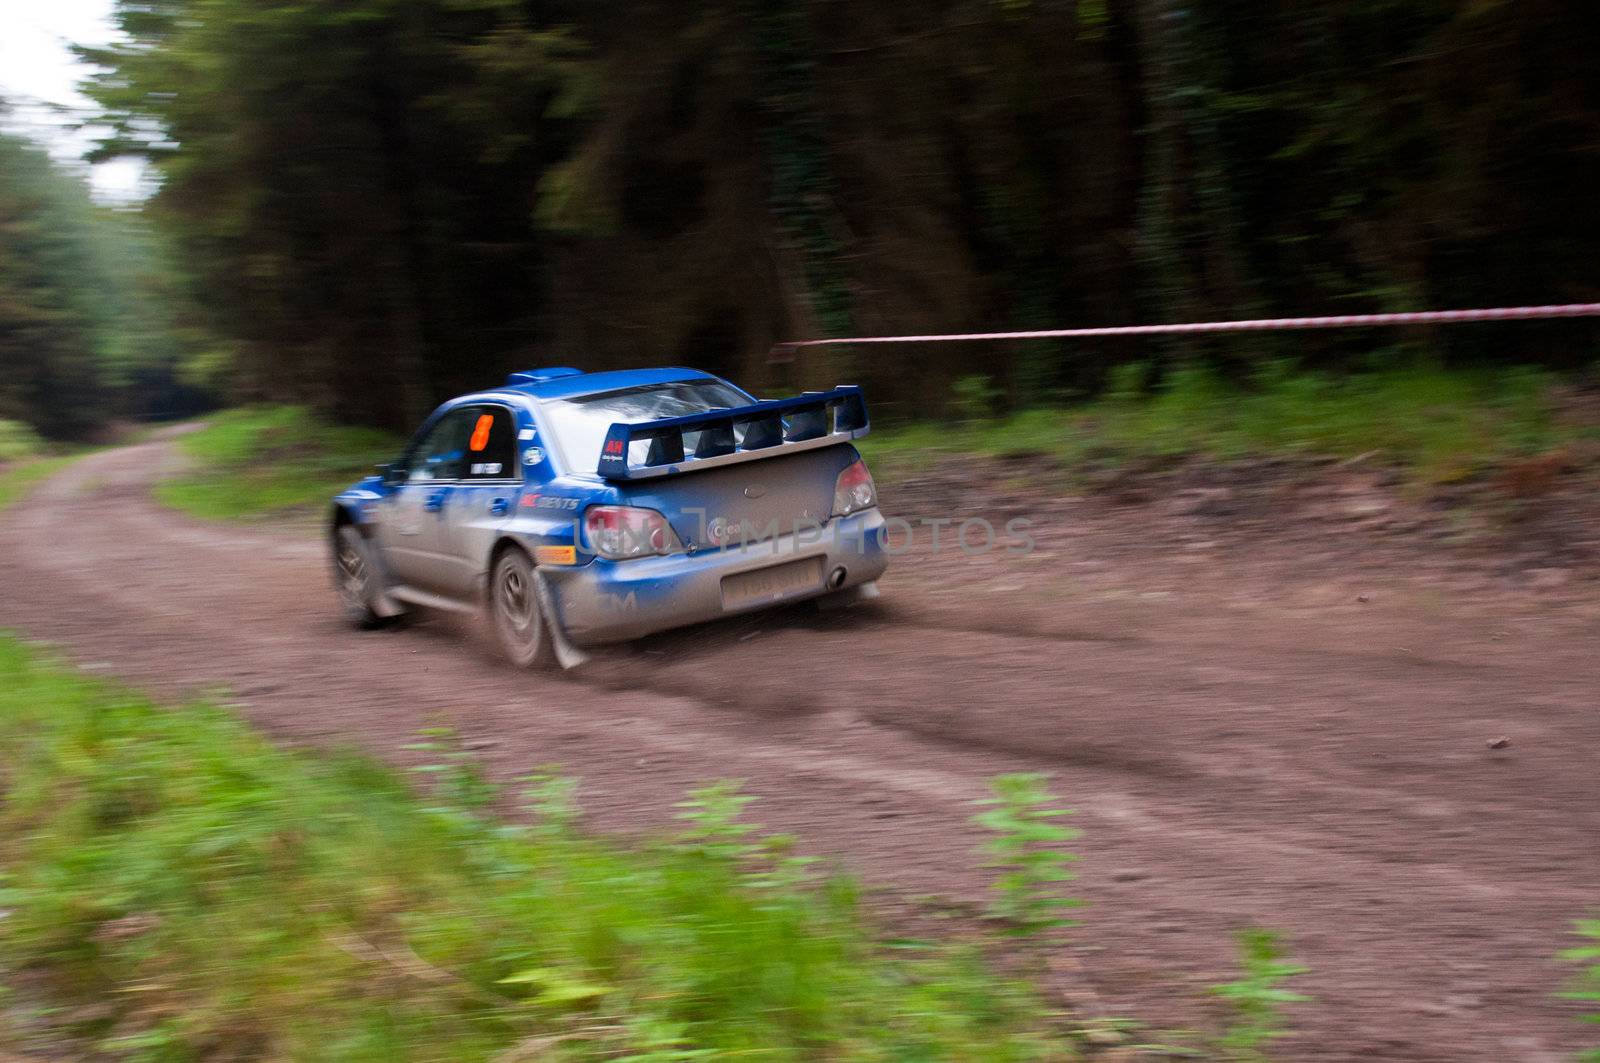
(1588, 984)
(458, 779)
(1026, 844)
(1258, 997)
(712, 813)
(552, 800)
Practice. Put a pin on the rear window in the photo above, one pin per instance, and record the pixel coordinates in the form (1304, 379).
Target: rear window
(579, 424)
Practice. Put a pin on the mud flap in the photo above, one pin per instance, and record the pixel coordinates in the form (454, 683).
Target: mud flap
(387, 607)
(568, 656)
(383, 603)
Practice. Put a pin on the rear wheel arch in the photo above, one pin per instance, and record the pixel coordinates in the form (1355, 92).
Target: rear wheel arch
(498, 550)
(515, 614)
(501, 545)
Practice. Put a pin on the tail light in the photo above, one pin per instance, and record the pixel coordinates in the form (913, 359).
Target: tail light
(854, 490)
(619, 532)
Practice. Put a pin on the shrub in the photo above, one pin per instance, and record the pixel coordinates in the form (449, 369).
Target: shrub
(1025, 845)
(18, 442)
(975, 398)
(1258, 996)
(1588, 984)
(205, 893)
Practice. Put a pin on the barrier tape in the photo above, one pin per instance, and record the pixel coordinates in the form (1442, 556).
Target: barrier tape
(786, 351)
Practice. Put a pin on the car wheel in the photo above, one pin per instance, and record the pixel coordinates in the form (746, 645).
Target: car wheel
(355, 574)
(514, 613)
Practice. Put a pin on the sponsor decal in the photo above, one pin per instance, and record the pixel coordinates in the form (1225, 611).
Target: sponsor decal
(532, 456)
(556, 555)
(614, 447)
(525, 435)
(487, 468)
(537, 501)
(619, 603)
(721, 531)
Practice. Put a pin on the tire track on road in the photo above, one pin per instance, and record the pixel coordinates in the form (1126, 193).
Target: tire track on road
(890, 737)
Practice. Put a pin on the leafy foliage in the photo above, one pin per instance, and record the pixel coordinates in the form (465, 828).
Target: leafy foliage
(50, 324)
(1026, 846)
(211, 894)
(18, 478)
(1257, 997)
(361, 174)
(1588, 984)
(712, 813)
(803, 188)
(716, 833)
(1437, 426)
(18, 441)
(90, 316)
(485, 179)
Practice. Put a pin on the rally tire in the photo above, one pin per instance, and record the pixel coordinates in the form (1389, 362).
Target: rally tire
(520, 627)
(356, 578)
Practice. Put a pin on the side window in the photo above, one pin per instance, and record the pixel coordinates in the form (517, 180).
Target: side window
(441, 454)
(491, 444)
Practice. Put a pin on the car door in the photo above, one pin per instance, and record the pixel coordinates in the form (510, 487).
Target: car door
(412, 533)
(480, 502)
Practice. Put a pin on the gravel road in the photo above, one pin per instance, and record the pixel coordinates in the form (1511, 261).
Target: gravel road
(1251, 733)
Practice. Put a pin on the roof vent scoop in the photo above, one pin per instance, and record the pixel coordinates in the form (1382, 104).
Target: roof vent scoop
(539, 376)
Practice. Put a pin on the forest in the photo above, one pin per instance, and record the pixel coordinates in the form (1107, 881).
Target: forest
(367, 207)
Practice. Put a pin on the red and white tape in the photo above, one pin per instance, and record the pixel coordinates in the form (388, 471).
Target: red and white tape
(784, 351)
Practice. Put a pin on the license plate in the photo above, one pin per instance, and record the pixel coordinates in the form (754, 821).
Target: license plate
(771, 584)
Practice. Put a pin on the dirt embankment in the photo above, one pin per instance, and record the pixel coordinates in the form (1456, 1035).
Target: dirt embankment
(1271, 702)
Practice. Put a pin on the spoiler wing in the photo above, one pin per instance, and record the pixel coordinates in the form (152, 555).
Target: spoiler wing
(743, 433)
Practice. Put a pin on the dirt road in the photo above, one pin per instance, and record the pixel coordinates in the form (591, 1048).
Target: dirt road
(1288, 730)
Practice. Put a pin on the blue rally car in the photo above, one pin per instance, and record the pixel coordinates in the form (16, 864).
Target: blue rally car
(582, 508)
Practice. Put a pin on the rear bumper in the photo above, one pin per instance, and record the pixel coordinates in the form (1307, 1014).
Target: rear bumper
(611, 601)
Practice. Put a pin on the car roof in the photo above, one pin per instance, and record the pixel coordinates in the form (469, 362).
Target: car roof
(576, 384)
(572, 385)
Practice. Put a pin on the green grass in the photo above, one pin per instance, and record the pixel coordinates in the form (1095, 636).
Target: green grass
(1438, 426)
(265, 460)
(1587, 988)
(17, 479)
(178, 888)
(24, 461)
(18, 442)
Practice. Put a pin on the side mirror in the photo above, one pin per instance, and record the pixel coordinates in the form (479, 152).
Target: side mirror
(392, 473)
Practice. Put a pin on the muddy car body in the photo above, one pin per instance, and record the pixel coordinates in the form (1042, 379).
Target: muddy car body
(578, 509)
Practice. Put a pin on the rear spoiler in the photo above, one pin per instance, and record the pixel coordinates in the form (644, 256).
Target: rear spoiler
(764, 430)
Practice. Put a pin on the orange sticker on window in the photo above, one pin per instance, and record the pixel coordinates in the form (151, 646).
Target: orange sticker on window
(480, 434)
